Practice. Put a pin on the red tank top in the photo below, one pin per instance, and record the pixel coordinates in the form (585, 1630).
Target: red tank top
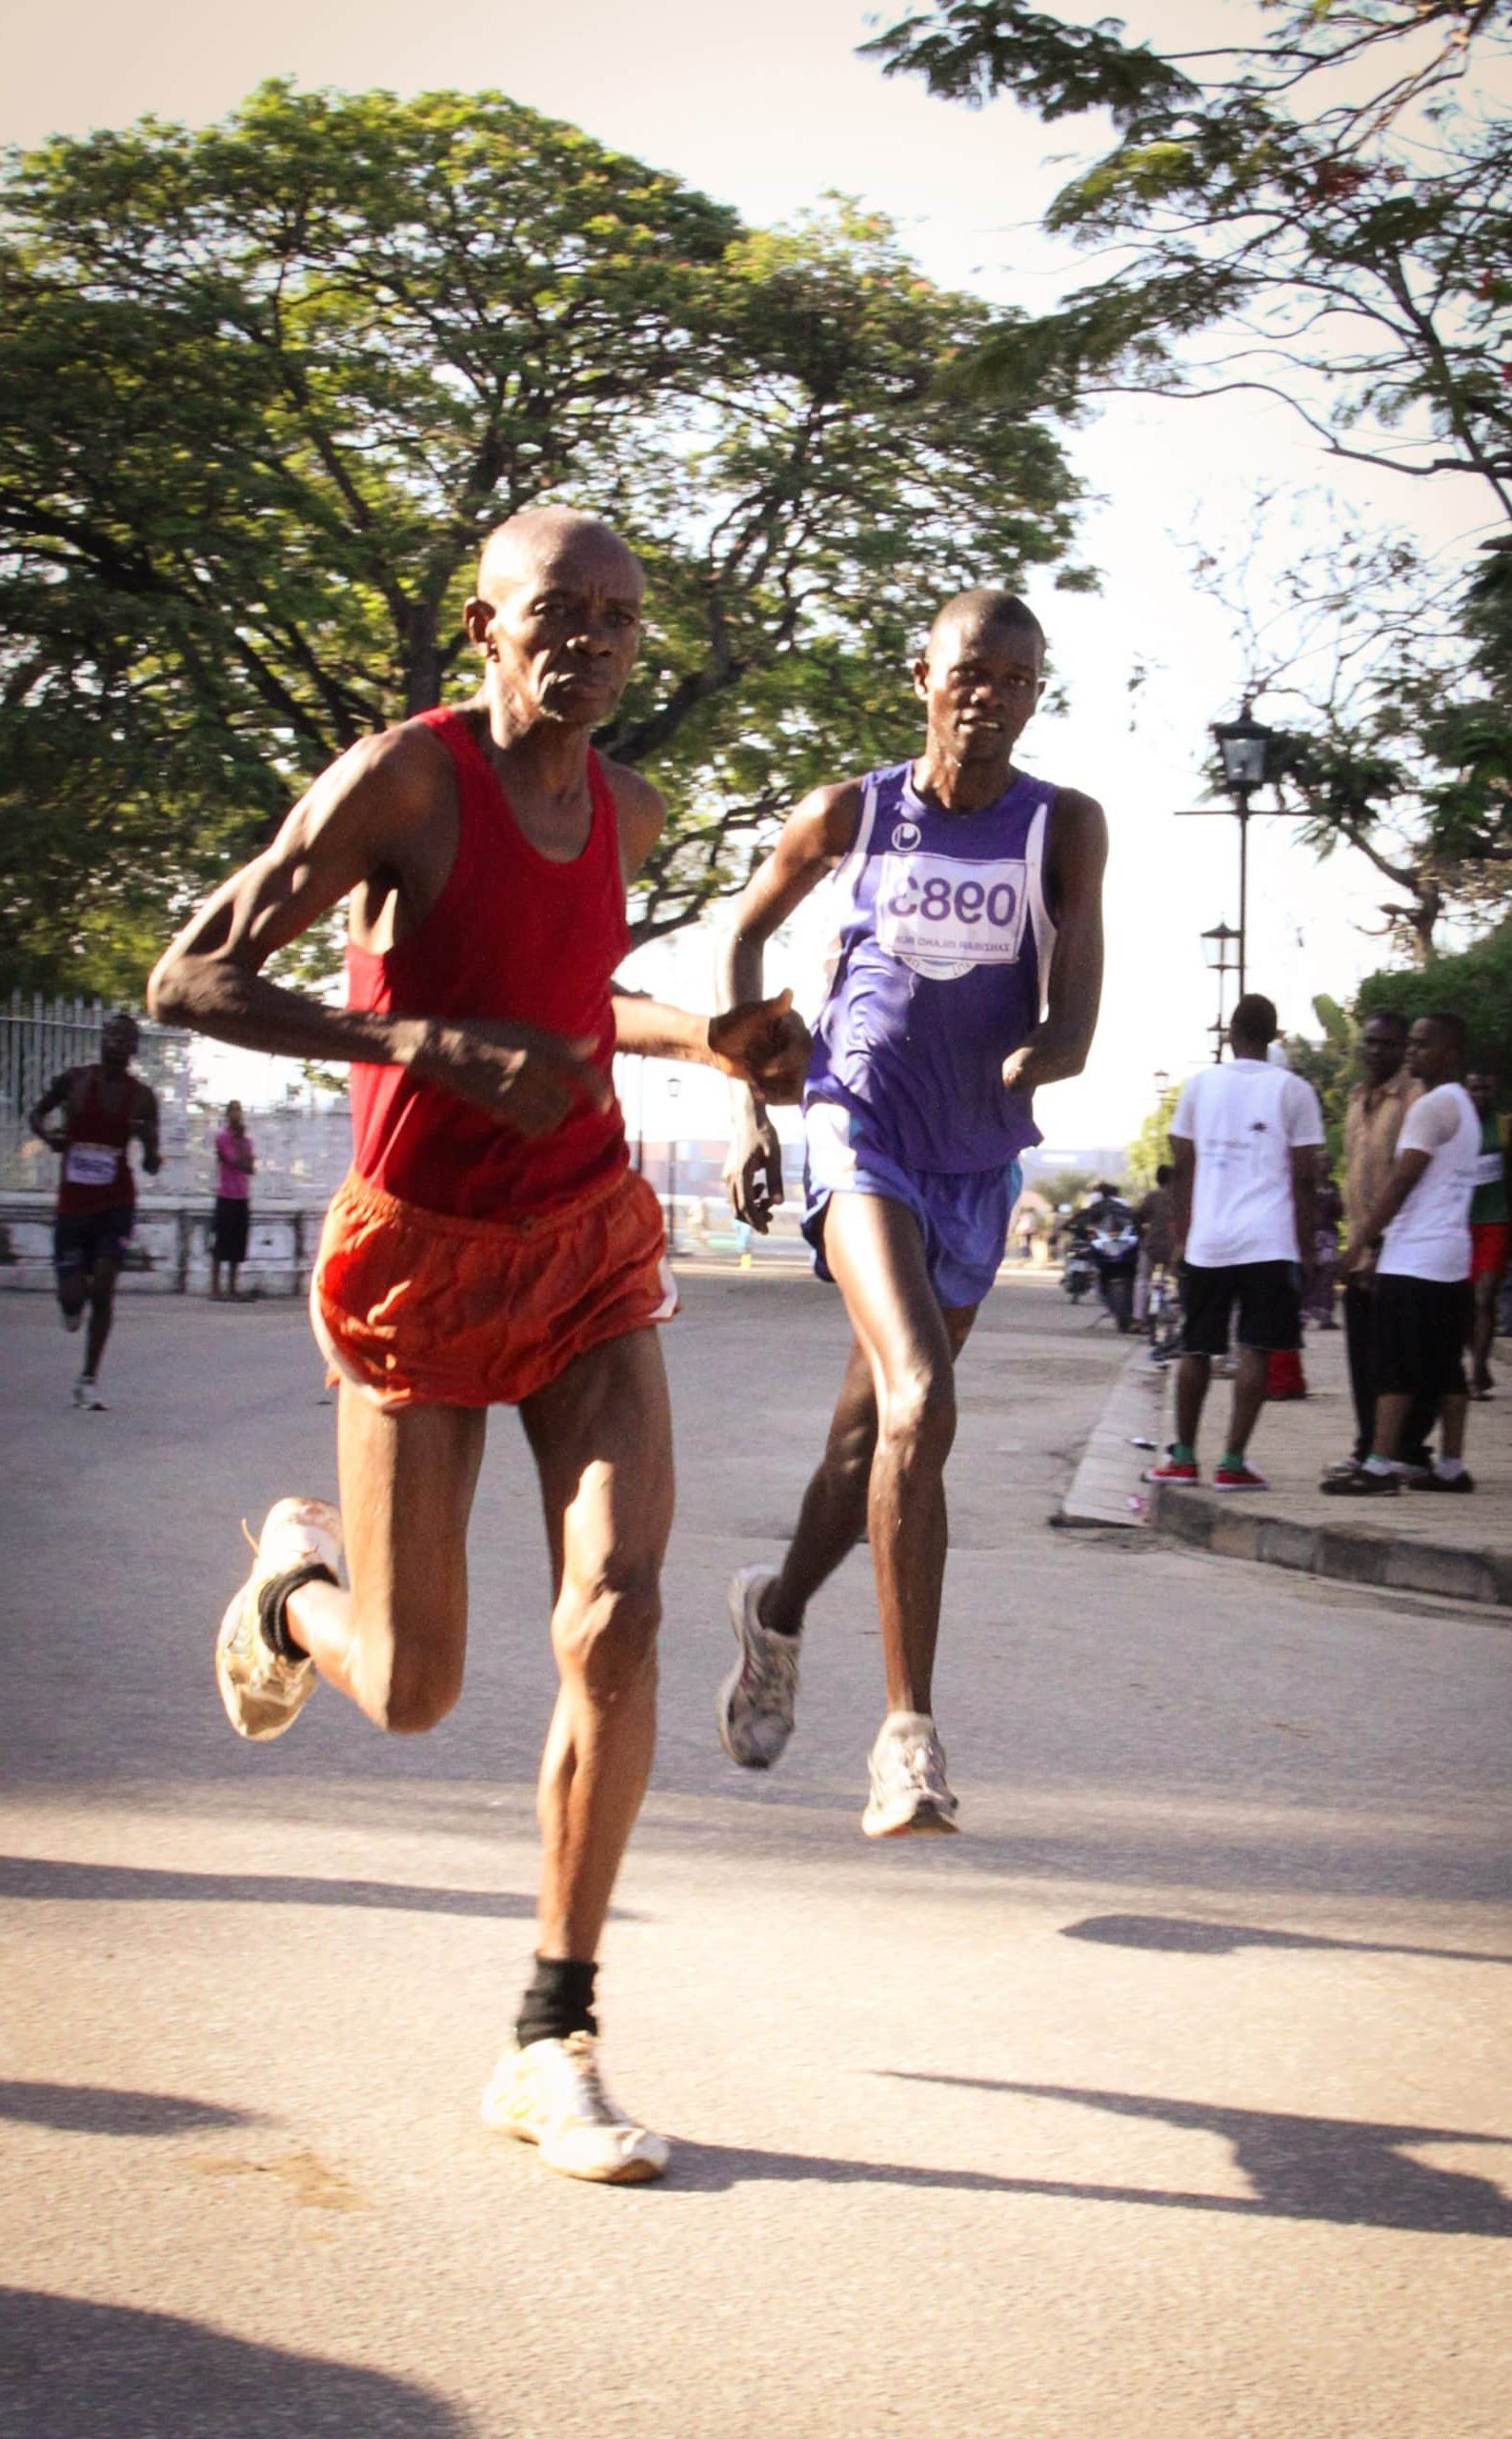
(96, 1174)
(515, 936)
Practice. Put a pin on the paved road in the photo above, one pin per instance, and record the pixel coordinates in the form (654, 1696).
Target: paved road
(1171, 2100)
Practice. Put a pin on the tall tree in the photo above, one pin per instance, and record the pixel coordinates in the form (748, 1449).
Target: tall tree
(1323, 214)
(266, 386)
(1333, 202)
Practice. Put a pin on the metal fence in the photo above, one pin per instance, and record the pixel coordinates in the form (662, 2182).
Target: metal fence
(303, 1145)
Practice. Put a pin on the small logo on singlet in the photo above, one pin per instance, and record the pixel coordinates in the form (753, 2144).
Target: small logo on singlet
(906, 834)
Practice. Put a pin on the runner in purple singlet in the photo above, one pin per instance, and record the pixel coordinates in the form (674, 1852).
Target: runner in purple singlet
(969, 970)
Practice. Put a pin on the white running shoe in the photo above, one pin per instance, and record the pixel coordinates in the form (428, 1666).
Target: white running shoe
(909, 1792)
(86, 1394)
(264, 1694)
(552, 2094)
(754, 1706)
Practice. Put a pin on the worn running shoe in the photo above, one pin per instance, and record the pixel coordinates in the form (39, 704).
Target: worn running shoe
(264, 1693)
(1362, 1483)
(551, 2093)
(1457, 1485)
(86, 1395)
(1172, 1469)
(1240, 1476)
(909, 1792)
(755, 1702)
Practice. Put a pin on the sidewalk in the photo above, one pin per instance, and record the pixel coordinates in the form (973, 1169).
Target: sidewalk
(1459, 1549)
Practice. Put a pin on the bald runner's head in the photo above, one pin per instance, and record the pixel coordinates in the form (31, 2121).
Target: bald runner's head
(983, 610)
(980, 677)
(556, 615)
(543, 539)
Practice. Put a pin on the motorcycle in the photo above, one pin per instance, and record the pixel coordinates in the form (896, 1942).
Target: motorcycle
(1078, 1275)
(1113, 1253)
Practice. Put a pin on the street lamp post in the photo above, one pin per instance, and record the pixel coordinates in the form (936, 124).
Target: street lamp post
(1217, 945)
(1245, 747)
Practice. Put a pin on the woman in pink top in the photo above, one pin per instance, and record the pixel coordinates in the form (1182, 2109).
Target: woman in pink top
(233, 1155)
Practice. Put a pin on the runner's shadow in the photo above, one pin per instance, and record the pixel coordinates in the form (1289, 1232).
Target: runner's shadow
(74, 2368)
(96, 2108)
(1345, 2170)
(40, 1876)
(1345, 2176)
(1175, 1935)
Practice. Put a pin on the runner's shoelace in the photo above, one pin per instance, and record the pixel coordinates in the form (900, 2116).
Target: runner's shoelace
(589, 2100)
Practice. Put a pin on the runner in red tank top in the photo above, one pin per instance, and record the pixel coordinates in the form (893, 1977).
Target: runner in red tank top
(104, 1109)
(492, 1245)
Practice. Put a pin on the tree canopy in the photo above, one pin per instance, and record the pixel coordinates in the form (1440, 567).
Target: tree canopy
(266, 384)
(1321, 214)
(1332, 200)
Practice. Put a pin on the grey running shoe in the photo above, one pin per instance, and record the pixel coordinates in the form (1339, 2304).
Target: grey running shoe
(263, 1693)
(909, 1792)
(551, 2093)
(86, 1394)
(754, 1706)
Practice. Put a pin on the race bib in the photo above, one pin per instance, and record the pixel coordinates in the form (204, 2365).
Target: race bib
(90, 1164)
(942, 917)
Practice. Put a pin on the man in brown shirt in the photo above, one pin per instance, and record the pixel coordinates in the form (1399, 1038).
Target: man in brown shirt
(1372, 1124)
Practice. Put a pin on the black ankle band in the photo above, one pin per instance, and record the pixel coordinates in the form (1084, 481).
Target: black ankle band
(560, 2001)
(271, 1597)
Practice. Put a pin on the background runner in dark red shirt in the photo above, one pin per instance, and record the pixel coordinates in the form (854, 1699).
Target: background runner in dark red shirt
(102, 1107)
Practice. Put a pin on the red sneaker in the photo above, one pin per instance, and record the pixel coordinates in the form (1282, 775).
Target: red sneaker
(1240, 1476)
(1172, 1470)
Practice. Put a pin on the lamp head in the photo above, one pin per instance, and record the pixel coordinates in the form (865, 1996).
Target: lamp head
(1245, 745)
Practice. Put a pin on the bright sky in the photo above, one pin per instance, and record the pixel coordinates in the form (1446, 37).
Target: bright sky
(767, 106)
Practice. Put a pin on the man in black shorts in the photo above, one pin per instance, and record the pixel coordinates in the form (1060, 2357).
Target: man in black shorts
(103, 1107)
(1417, 1239)
(1244, 1144)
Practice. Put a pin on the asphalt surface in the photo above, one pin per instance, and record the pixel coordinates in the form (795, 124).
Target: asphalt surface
(1170, 2099)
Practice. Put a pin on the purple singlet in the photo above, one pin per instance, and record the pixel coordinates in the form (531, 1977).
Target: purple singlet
(944, 951)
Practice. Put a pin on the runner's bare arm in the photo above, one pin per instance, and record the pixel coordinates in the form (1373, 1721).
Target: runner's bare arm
(54, 1098)
(815, 837)
(144, 1126)
(367, 814)
(1075, 852)
(759, 1043)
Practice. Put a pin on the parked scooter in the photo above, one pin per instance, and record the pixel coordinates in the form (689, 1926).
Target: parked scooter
(1113, 1253)
(1079, 1272)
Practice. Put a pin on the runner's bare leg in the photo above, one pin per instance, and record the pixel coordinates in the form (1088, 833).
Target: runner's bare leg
(601, 1436)
(875, 1248)
(398, 1641)
(102, 1312)
(833, 1517)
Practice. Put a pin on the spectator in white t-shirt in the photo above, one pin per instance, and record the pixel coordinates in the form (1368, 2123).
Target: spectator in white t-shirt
(1416, 1237)
(1244, 1142)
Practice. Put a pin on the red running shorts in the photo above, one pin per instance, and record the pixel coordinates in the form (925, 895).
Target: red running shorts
(420, 1308)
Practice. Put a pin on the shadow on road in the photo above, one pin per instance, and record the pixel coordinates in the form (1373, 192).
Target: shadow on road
(1176, 1935)
(73, 2369)
(97, 2109)
(40, 1876)
(1342, 2169)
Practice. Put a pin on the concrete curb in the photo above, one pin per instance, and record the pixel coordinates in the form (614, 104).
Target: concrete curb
(1108, 1486)
(1351, 1554)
